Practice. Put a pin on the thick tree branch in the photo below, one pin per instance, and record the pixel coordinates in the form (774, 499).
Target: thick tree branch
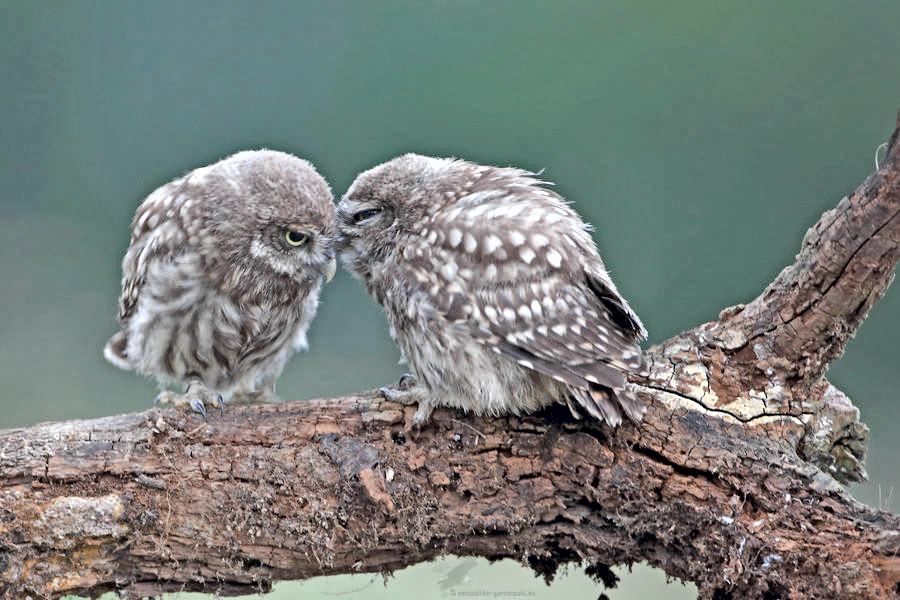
(729, 482)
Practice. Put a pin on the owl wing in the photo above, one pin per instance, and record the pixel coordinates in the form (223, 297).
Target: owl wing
(155, 238)
(565, 330)
(544, 300)
(562, 330)
(570, 333)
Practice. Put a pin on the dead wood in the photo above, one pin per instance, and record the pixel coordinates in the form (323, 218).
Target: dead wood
(730, 482)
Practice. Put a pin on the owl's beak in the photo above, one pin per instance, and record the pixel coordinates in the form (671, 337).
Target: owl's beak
(330, 269)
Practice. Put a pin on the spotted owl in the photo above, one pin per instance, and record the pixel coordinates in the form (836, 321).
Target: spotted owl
(222, 276)
(493, 289)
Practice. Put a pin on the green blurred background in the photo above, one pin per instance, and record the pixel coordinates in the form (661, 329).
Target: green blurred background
(701, 138)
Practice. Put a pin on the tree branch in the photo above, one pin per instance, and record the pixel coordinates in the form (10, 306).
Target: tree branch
(729, 482)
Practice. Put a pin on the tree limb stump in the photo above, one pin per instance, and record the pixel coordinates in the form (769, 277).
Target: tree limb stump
(731, 480)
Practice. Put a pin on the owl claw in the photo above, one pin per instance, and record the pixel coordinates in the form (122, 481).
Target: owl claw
(408, 396)
(409, 393)
(407, 382)
(405, 391)
(393, 395)
(197, 406)
(197, 397)
(423, 415)
(164, 397)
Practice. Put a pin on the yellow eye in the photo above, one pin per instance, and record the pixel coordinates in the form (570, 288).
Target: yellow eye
(295, 238)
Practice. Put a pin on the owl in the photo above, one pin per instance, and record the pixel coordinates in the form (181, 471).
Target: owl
(493, 289)
(222, 277)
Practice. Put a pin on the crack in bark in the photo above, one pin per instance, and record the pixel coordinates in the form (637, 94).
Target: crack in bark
(797, 416)
(821, 295)
(681, 469)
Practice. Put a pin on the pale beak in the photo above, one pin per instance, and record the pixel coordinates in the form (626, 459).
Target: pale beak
(330, 269)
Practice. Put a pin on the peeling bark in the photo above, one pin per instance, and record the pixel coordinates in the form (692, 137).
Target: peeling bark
(730, 481)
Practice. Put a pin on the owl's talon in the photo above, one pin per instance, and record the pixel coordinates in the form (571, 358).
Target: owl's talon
(164, 397)
(407, 397)
(197, 406)
(407, 382)
(416, 395)
(196, 396)
(406, 391)
(422, 416)
(392, 395)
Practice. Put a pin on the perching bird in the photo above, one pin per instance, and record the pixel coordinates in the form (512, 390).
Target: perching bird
(493, 288)
(222, 277)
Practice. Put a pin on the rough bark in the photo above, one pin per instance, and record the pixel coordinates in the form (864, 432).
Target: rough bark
(729, 482)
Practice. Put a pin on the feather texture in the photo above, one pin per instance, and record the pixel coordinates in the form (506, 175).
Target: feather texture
(212, 290)
(493, 287)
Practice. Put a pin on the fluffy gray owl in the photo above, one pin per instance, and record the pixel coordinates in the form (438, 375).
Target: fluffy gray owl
(493, 288)
(222, 277)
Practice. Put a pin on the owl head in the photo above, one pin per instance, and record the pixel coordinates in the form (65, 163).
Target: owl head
(397, 198)
(384, 200)
(262, 212)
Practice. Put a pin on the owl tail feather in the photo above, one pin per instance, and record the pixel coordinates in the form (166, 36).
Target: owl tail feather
(599, 404)
(631, 404)
(114, 351)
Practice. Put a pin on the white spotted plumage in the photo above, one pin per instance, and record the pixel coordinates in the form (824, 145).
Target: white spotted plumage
(506, 306)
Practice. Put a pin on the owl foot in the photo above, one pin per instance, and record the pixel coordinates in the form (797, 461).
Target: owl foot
(196, 396)
(410, 393)
(407, 382)
(407, 391)
(423, 414)
(406, 397)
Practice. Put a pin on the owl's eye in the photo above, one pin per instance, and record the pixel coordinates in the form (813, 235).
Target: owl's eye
(295, 238)
(364, 214)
